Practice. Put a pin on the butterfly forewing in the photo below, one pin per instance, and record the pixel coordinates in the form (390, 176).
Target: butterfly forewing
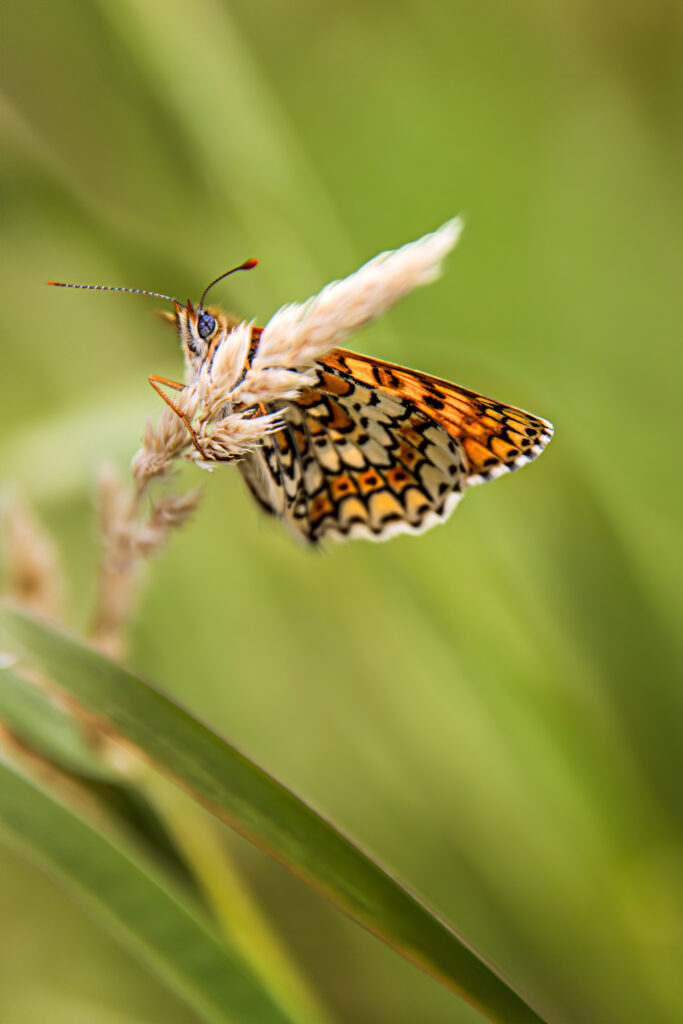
(495, 438)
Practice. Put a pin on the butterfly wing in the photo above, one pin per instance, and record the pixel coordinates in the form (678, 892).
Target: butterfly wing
(372, 450)
(495, 438)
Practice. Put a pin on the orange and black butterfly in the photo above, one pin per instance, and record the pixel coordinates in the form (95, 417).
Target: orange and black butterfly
(368, 449)
(371, 449)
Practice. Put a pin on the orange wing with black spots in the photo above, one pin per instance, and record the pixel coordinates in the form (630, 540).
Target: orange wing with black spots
(496, 438)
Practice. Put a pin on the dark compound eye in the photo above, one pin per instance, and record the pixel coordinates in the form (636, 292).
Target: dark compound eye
(206, 325)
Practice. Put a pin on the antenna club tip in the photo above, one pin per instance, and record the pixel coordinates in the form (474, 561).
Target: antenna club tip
(249, 264)
(57, 284)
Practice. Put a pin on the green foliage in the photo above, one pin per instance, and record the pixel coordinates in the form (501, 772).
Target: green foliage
(253, 803)
(133, 903)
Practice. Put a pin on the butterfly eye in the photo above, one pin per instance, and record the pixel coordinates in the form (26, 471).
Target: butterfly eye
(206, 325)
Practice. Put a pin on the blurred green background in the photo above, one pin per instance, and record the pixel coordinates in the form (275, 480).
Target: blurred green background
(493, 709)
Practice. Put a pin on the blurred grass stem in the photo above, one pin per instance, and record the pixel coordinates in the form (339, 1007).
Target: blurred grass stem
(199, 840)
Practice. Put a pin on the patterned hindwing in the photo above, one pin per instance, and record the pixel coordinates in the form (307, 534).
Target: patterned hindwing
(495, 438)
(354, 461)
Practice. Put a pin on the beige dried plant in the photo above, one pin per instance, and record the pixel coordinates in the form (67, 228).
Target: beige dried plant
(33, 572)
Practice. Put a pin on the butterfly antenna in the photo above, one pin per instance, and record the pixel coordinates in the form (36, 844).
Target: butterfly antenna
(247, 265)
(112, 288)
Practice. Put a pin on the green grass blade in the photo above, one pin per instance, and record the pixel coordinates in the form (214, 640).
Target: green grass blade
(50, 730)
(154, 923)
(198, 837)
(268, 814)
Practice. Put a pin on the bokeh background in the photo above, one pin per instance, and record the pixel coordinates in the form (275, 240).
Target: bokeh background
(494, 709)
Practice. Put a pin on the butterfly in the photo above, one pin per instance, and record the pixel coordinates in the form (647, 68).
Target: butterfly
(371, 449)
(366, 449)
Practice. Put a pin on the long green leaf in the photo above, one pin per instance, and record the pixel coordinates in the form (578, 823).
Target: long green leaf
(49, 729)
(257, 806)
(139, 909)
(55, 734)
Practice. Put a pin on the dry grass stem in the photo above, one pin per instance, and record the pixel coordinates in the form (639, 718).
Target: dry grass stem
(297, 335)
(33, 574)
(163, 444)
(218, 376)
(129, 537)
(233, 436)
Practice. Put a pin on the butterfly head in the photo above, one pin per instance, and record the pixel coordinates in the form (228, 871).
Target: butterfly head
(200, 330)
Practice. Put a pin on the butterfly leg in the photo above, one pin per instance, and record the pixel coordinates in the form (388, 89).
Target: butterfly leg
(156, 383)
